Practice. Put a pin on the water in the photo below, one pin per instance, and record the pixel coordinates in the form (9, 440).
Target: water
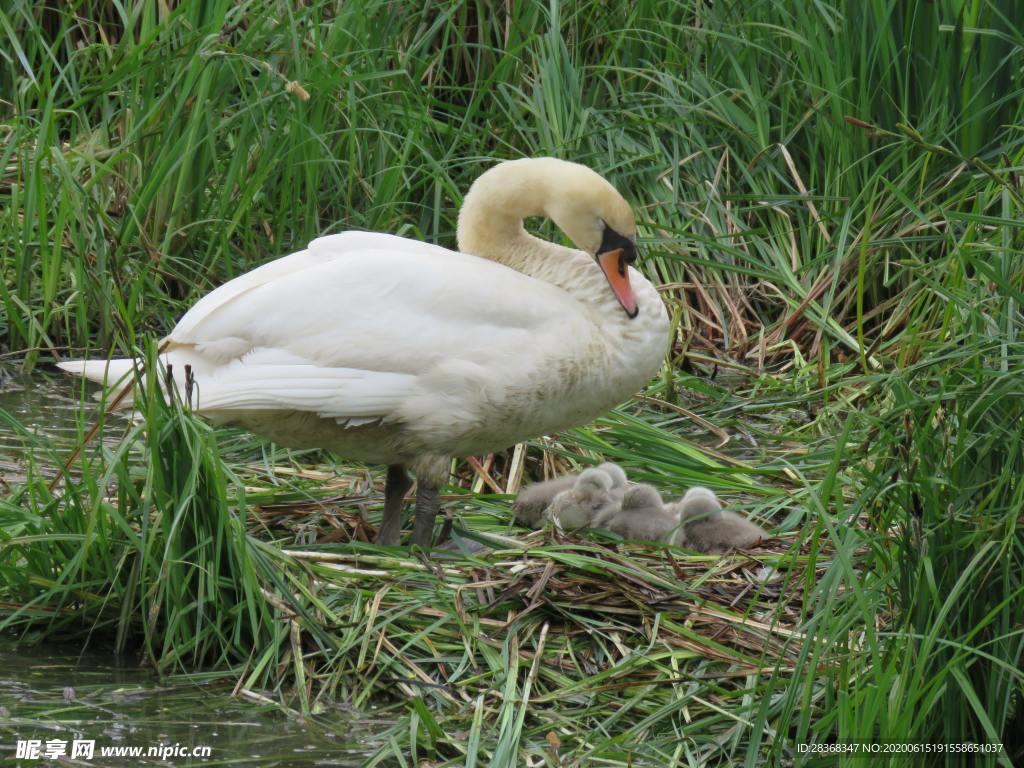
(60, 694)
(43, 413)
(46, 411)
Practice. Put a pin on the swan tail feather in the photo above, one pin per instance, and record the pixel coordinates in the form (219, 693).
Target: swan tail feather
(112, 374)
(106, 372)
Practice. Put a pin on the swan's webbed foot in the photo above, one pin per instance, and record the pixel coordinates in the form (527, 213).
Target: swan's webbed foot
(395, 488)
(427, 504)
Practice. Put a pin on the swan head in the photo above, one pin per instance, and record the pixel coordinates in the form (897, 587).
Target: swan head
(615, 472)
(641, 497)
(583, 204)
(700, 504)
(593, 481)
(600, 222)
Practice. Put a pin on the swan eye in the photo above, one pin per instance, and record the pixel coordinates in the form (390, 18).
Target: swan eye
(613, 241)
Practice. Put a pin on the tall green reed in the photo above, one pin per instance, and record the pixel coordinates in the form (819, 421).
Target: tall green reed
(144, 544)
(155, 152)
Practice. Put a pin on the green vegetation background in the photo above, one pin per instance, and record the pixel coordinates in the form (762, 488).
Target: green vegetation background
(830, 194)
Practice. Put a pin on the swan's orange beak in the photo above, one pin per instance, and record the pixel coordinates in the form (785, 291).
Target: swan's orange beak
(613, 264)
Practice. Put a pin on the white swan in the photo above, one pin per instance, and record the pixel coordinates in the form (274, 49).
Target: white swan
(393, 351)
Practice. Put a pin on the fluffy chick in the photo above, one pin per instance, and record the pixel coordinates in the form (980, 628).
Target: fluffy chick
(590, 495)
(531, 502)
(707, 527)
(641, 515)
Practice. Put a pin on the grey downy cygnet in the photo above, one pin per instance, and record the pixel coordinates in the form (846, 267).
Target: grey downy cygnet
(590, 495)
(709, 528)
(641, 515)
(531, 502)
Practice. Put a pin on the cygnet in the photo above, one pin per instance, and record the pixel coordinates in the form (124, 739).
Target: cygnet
(641, 515)
(529, 506)
(590, 495)
(709, 528)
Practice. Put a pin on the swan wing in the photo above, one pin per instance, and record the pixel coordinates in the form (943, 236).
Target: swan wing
(360, 333)
(322, 250)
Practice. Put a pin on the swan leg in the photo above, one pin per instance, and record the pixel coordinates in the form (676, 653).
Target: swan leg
(395, 488)
(427, 504)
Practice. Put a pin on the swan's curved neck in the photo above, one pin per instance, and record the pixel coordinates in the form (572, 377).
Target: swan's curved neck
(491, 217)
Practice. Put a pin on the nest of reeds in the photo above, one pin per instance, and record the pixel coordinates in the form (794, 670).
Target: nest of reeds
(590, 604)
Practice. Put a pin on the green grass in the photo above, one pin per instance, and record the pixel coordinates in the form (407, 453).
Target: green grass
(828, 193)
